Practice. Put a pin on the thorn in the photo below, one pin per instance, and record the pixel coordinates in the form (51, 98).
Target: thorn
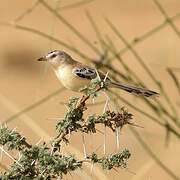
(84, 146)
(107, 100)
(10, 156)
(117, 137)
(33, 162)
(104, 140)
(106, 76)
(1, 155)
(92, 167)
(39, 141)
(106, 106)
(52, 149)
(20, 155)
(98, 74)
(42, 172)
(93, 100)
(21, 138)
(13, 130)
(69, 134)
(55, 118)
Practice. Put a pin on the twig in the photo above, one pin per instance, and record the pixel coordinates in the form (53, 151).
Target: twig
(153, 155)
(32, 106)
(146, 35)
(28, 11)
(175, 80)
(73, 5)
(42, 34)
(72, 28)
(167, 18)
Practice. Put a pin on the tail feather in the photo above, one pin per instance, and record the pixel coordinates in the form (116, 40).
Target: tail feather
(134, 89)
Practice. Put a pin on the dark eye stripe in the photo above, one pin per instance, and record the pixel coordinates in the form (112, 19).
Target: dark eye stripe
(52, 51)
(53, 55)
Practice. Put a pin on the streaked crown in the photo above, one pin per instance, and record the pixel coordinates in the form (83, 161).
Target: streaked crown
(60, 55)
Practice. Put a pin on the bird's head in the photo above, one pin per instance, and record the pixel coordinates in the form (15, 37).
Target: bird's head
(56, 58)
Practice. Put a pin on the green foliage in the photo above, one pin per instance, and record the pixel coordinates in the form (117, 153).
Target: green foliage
(45, 161)
(93, 88)
(38, 162)
(12, 139)
(41, 162)
(114, 160)
(72, 117)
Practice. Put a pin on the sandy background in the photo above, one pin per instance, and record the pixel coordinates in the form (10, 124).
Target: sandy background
(24, 81)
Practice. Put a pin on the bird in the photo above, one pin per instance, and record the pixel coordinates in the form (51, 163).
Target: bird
(74, 75)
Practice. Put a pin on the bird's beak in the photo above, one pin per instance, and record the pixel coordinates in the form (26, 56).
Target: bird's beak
(42, 59)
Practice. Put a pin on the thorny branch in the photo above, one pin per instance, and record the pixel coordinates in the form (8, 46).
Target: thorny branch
(45, 160)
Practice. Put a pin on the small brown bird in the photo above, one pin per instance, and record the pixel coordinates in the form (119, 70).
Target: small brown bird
(74, 75)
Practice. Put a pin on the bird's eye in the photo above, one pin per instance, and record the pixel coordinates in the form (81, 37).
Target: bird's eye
(53, 55)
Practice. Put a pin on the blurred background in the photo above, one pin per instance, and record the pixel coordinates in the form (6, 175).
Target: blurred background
(137, 41)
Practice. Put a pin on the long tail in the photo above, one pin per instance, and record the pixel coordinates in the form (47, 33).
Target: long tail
(134, 89)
